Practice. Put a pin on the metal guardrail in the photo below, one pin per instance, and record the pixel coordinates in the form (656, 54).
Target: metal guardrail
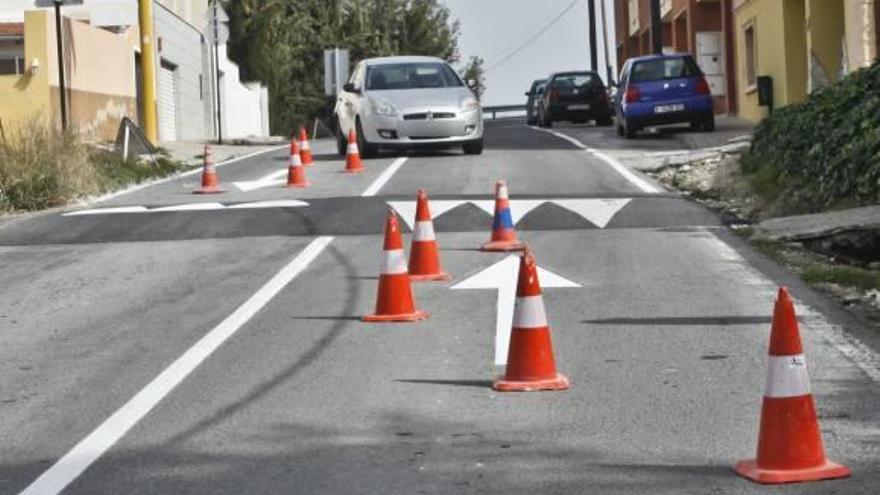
(494, 110)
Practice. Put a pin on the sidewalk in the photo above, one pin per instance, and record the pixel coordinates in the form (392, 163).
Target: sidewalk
(190, 152)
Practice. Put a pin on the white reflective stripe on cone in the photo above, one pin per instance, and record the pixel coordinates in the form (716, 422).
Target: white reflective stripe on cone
(295, 161)
(305, 146)
(529, 312)
(424, 231)
(787, 376)
(353, 148)
(393, 262)
(502, 193)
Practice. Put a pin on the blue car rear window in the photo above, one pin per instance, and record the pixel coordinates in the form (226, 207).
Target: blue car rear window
(664, 68)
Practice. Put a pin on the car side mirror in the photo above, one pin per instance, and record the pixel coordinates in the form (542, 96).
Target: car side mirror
(350, 88)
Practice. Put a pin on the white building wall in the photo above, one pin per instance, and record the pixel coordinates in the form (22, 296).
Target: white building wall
(245, 108)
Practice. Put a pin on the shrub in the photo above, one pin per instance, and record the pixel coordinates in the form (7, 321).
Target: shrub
(41, 167)
(825, 152)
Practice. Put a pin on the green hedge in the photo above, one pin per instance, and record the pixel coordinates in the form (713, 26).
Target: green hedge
(825, 152)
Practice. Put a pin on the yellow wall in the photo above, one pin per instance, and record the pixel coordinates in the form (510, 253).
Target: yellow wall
(99, 75)
(765, 16)
(25, 97)
(795, 53)
(825, 35)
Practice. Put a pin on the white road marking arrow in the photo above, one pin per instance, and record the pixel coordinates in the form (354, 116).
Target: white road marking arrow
(273, 179)
(518, 207)
(407, 209)
(502, 277)
(596, 211)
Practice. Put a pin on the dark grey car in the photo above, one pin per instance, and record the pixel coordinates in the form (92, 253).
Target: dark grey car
(534, 94)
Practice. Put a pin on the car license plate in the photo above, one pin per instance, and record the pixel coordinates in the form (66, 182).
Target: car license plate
(678, 107)
(579, 107)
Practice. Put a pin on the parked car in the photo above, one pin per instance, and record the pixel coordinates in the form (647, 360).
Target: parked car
(576, 97)
(663, 89)
(534, 94)
(405, 103)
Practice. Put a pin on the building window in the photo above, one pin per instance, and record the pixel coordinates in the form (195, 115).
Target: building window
(751, 55)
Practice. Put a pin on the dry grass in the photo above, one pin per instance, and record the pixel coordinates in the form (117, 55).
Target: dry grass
(41, 168)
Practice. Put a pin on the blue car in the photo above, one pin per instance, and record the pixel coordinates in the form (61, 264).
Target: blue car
(663, 89)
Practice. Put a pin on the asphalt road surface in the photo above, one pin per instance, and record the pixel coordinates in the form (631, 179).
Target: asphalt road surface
(150, 347)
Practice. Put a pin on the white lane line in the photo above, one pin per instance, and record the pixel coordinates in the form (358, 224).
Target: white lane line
(866, 359)
(618, 167)
(104, 211)
(144, 185)
(283, 203)
(190, 207)
(384, 177)
(92, 447)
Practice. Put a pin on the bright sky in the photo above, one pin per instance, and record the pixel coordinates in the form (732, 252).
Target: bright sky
(508, 35)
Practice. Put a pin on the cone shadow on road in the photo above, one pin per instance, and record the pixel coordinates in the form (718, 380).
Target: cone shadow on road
(487, 384)
(685, 320)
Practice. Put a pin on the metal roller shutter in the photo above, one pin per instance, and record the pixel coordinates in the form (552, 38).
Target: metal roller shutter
(167, 104)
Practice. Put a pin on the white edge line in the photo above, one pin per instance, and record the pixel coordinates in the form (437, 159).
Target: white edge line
(144, 185)
(618, 167)
(93, 446)
(384, 177)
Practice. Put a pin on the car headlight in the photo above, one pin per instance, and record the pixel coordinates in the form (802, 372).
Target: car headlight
(382, 107)
(470, 104)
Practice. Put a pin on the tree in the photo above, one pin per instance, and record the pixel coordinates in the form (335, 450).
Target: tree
(282, 43)
(473, 71)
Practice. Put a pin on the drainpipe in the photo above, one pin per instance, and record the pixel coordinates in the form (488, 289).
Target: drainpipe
(148, 71)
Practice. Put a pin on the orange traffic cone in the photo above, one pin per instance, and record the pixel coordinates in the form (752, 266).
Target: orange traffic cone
(789, 443)
(353, 159)
(210, 179)
(394, 300)
(296, 173)
(530, 363)
(305, 149)
(424, 255)
(503, 233)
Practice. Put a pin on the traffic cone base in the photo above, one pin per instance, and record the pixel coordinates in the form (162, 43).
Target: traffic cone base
(418, 315)
(299, 185)
(503, 246)
(209, 190)
(828, 470)
(559, 382)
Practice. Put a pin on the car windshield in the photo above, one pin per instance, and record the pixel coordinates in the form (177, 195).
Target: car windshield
(578, 80)
(664, 68)
(536, 85)
(411, 76)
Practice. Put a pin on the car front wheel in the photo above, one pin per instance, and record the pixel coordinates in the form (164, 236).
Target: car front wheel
(365, 149)
(473, 148)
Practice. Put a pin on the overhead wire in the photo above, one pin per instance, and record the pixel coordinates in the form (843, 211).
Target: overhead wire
(533, 37)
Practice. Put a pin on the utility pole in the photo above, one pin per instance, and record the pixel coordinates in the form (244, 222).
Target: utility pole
(148, 71)
(594, 52)
(609, 71)
(656, 28)
(59, 47)
(215, 25)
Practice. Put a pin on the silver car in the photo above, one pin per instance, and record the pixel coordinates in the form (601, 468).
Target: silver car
(406, 103)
